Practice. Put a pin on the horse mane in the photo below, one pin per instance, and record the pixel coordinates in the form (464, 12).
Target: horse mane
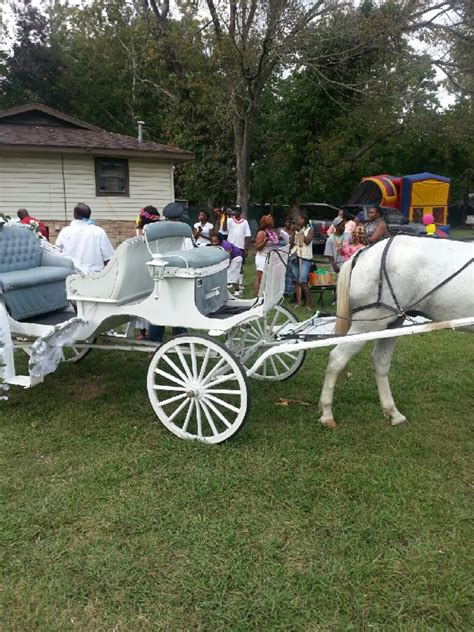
(343, 308)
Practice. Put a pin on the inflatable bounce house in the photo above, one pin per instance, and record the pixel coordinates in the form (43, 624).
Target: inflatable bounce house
(415, 196)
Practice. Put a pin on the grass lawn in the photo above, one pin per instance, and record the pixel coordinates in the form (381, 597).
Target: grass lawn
(111, 523)
(465, 232)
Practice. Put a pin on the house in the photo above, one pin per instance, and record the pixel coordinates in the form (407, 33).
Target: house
(49, 161)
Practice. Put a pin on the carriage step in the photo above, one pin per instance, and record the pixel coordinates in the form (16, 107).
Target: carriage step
(26, 381)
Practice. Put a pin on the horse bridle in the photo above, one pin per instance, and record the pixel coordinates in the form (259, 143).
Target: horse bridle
(384, 274)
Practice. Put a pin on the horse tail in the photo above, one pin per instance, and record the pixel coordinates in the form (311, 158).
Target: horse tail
(343, 309)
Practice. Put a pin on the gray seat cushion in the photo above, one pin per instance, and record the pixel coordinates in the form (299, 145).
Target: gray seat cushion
(196, 258)
(32, 277)
(164, 230)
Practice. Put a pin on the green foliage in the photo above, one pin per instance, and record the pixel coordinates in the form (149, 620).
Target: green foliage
(353, 98)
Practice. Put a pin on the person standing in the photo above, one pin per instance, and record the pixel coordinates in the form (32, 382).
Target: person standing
(84, 242)
(348, 227)
(285, 232)
(26, 218)
(334, 249)
(285, 238)
(266, 240)
(238, 234)
(238, 230)
(203, 229)
(301, 257)
(220, 221)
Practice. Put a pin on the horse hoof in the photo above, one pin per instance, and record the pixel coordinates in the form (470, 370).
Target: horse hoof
(399, 421)
(329, 423)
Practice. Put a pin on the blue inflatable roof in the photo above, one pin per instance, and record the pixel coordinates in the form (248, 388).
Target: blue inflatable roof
(416, 177)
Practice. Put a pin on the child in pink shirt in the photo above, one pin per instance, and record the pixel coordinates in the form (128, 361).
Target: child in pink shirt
(359, 240)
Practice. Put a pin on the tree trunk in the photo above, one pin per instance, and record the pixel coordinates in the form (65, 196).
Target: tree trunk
(243, 127)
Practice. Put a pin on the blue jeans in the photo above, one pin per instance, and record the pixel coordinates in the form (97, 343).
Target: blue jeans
(300, 271)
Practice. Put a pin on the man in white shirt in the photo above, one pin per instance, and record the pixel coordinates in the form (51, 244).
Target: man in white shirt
(84, 242)
(238, 231)
(238, 234)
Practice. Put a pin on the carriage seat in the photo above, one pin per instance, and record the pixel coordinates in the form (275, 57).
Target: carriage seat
(207, 267)
(170, 239)
(202, 257)
(31, 280)
(126, 277)
(123, 280)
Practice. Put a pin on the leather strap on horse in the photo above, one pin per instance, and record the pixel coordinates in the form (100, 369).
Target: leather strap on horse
(383, 273)
(398, 309)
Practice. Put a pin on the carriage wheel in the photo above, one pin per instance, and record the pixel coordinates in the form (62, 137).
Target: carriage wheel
(250, 340)
(198, 389)
(74, 354)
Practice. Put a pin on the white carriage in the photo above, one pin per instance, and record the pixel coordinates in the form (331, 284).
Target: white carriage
(197, 382)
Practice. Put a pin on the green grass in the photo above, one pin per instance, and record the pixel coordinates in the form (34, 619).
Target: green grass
(466, 232)
(111, 523)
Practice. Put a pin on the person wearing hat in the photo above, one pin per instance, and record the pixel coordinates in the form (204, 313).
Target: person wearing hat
(239, 235)
(175, 212)
(335, 244)
(349, 226)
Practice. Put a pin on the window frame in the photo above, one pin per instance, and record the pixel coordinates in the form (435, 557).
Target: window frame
(98, 192)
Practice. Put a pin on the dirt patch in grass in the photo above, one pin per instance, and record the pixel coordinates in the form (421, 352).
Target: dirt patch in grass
(85, 391)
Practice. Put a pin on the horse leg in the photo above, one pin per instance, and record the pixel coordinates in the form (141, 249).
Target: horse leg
(382, 358)
(338, 359)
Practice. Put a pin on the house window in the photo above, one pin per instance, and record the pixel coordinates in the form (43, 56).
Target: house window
(111, 176)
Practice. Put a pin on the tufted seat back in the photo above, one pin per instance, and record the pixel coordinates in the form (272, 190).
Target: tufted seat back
(19, 249)
(162, 237)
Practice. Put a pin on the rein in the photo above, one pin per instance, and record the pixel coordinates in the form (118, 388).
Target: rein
(398, 309)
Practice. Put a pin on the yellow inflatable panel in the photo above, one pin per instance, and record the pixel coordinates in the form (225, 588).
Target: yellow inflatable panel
(429, 193)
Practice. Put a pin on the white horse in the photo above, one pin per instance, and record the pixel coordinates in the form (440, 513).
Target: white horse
(380, 286)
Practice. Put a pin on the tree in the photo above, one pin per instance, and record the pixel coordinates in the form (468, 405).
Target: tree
(250, 41)
(34, 69)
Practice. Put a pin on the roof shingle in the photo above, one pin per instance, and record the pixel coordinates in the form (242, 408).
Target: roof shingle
(84, 137)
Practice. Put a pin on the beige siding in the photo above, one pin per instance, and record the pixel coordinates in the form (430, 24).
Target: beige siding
(35, 181)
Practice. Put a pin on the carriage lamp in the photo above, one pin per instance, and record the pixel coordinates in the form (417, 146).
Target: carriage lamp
(157, 271)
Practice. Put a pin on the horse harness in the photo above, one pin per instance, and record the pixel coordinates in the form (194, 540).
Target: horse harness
(398, 310)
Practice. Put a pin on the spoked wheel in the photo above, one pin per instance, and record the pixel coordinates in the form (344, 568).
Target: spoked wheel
(74, 354)
(198, 389)
(250, 340)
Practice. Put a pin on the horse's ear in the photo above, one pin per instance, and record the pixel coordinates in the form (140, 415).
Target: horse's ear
(343, 309)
